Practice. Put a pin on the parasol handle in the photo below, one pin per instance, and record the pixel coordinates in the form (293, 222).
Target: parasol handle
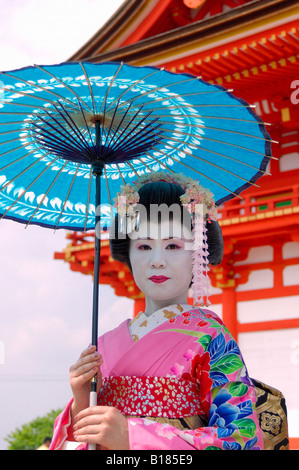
(97, 169)
(95, 309)
(93, 400)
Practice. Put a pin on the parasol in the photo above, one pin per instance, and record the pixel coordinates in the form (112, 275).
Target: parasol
(72, 133)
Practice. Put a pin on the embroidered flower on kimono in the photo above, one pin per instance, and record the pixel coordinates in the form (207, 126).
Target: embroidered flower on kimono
(222, 413)
(177, 369)
(200, 367)
(186, 314)
(188, 355)
(202, 323)
(199, 374)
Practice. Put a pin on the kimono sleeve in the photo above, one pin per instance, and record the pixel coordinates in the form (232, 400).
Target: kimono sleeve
(227, 396)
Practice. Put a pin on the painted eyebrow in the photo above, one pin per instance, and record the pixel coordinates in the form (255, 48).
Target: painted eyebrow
(164, 239)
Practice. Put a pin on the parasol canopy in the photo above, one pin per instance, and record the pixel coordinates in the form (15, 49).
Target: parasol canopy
(58, 122)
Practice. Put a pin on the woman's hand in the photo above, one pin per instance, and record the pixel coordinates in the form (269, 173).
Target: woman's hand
(81, 373)
(104, 426)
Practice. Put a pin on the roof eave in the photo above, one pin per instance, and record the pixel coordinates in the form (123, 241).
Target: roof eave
(245, 14)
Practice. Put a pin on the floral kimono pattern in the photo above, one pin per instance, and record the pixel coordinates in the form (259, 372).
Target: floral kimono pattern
(184, 366)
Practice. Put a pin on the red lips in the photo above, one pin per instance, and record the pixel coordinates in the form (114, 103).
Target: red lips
(159, 279)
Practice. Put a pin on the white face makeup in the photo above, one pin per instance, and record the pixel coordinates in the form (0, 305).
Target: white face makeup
(161, 262)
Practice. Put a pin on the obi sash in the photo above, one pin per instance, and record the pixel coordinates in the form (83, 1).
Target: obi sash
(164, 399)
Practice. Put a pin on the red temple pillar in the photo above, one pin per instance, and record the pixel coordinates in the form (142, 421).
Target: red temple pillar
(229, 310)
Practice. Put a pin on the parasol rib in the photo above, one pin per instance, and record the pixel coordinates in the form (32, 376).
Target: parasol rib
(67, 196)
(88, 199)
(68, 121)
(122, 134)
(11, 123)
(109, 194)
(28, 187)
(110, 135)
(38, 86)
(65, 85)
(153, 90)
(178, 95)
(87, 127)
(114, 135)
(30, 95)
(17, 148)
(161, 163)
(55, 138)
(202, 137)
(104, 101)
(120, 173)
(132, 86)
(22, 172)
(46, 193)
(214, 164)
(11, 132)
(139, 136)
(203, 126)
(198, 172)
(10, 141)
(90, 89)
(187, 105)
(133, 169)
(17, 160)
(73, 127)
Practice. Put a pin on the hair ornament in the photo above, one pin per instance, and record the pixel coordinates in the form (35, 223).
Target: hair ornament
(194, 194)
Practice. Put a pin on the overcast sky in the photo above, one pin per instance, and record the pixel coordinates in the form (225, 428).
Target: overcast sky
(45, 309)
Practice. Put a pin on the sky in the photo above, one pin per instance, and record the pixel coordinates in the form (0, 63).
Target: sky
(45, 309)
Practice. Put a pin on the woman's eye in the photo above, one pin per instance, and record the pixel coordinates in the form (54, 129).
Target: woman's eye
(144, 247)
(172, 246)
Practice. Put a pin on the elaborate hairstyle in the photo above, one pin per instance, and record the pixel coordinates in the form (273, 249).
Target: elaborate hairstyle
(159, 192)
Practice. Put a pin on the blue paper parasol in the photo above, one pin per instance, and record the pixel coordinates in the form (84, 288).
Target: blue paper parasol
(66, 128)
(58, 122)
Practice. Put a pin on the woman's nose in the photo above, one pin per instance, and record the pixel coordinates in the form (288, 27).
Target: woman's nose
(157, 258)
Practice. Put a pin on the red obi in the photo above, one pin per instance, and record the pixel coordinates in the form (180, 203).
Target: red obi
(165, 397)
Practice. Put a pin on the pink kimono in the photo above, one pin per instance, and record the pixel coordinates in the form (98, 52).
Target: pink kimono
(182, 384)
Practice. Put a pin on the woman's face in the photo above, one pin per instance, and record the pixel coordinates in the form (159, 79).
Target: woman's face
(161, 262)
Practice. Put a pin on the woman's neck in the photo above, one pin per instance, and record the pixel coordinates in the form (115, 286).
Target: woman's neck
(152, 306)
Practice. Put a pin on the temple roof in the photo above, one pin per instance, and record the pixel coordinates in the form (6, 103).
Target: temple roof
(143, 31)
(250, 48)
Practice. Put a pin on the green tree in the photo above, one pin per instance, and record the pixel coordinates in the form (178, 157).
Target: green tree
(31, 435)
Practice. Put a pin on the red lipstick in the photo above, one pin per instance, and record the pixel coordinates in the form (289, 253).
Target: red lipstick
(159, 279)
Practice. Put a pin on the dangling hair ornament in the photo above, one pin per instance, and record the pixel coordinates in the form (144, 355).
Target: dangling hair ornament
(201, 205)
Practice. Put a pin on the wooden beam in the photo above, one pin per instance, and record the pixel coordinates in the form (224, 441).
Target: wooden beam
(268, 325)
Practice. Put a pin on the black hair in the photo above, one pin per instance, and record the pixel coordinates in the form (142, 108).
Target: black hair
(160, 192)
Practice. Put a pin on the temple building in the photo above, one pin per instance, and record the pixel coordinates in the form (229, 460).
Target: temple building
(251, 47)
